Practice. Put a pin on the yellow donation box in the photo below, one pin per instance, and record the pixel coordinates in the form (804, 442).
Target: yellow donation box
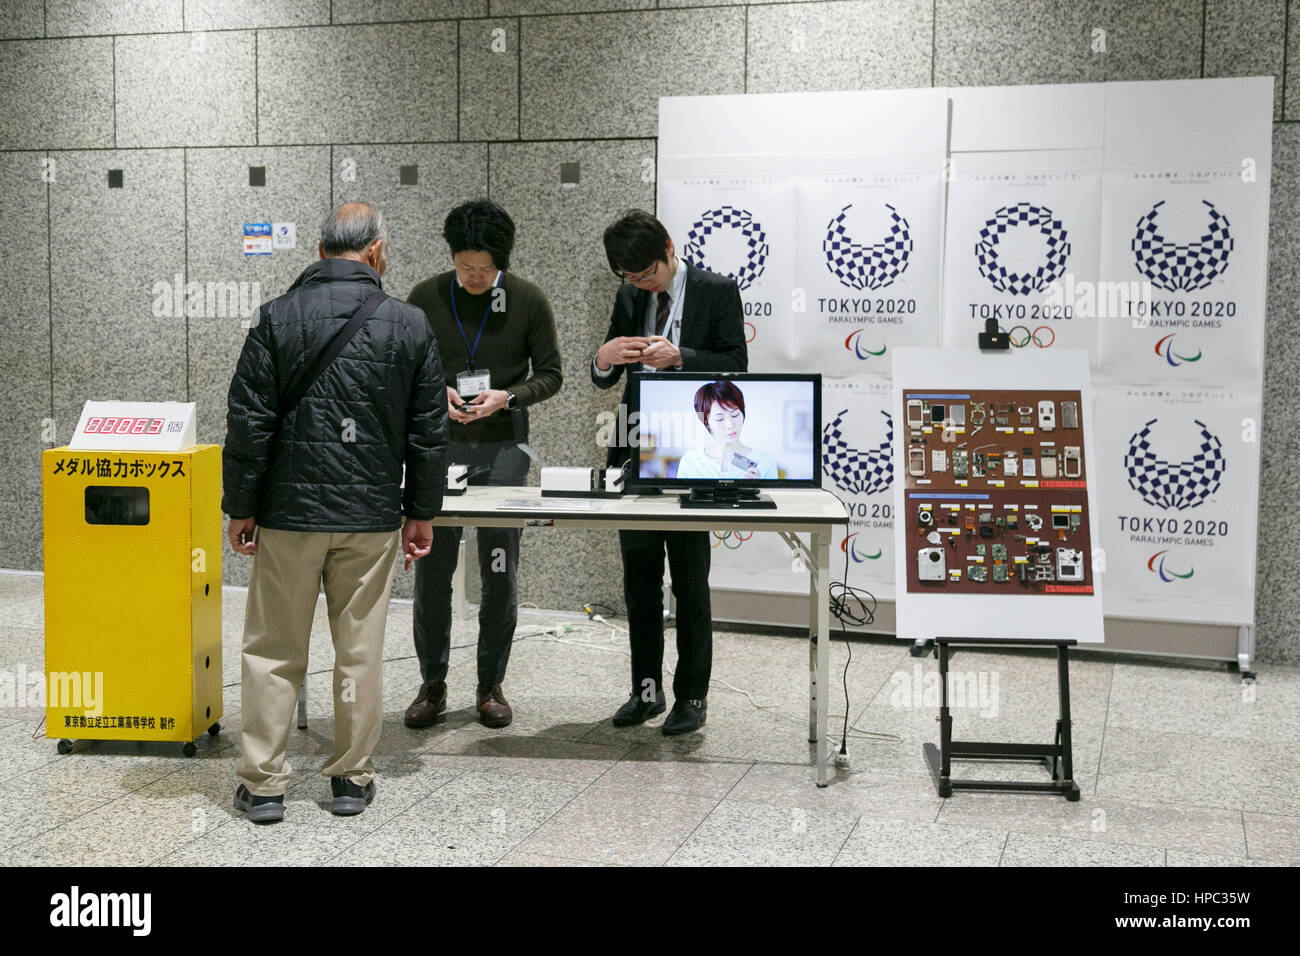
(132, 587)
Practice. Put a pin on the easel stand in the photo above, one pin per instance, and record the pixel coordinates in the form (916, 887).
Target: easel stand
(940, 758)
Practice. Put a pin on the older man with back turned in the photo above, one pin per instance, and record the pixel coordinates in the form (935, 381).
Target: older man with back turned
(337, 388)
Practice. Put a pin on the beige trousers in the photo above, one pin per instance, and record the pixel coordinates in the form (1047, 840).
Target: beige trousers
(288, 570)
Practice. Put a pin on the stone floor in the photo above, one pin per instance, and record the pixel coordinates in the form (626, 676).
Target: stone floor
(1178, 763)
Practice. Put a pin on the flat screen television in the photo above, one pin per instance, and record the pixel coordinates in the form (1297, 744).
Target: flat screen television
(724, 437)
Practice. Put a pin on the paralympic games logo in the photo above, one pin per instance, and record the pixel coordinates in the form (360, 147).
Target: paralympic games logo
(1165, 349)
(850, 547)
(729, 218)
(1174, 485)
(854, 344)
(867, 266)
(1181, 266)
(1158, 567)
(1022, 215)
(858, 472)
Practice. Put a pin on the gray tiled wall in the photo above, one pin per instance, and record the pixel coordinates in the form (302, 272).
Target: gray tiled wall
(1005, 42)
(380, 11)
(389, 83)
(489, 79)
(57, 94)
(108, 249)
(22, 18)
(186, 89)
(252, 14)
(1276, 605)
(103, 17)
(603, 74)
(24, 275)
(333, 96)
(1246, 38)
(859, 44)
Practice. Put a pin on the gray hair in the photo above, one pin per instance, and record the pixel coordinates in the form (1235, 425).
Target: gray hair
(351, 227)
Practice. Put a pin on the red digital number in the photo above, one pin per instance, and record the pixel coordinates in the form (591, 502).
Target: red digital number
(123, 426)
(139, 426)
(106, 428)
(92, 425)
(155, 426)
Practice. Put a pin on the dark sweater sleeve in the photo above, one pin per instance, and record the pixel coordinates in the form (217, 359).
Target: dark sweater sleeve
(543, 355)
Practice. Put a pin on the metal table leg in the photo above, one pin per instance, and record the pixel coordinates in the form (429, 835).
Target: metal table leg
(821, 546)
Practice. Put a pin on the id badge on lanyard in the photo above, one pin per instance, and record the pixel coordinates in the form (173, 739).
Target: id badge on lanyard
(473, 380)
(471, 383)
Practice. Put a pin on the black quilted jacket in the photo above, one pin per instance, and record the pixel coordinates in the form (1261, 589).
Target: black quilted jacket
(381, 404)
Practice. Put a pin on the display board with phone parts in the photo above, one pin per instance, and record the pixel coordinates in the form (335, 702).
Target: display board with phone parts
(994, 513)
(996, 491)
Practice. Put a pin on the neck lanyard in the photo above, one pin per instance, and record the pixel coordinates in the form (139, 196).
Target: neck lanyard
(481, 326)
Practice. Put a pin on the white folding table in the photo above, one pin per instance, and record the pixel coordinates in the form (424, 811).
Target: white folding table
(798, 511)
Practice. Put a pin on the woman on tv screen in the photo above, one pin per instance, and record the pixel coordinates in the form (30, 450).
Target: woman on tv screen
(721, 407)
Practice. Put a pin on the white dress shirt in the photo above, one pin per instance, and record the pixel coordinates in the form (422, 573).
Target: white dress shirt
(672, 330)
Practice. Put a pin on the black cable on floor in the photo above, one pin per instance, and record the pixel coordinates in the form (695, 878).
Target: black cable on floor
(849, 606)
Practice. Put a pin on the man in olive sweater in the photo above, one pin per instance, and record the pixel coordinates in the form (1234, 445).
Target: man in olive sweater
(497, 340)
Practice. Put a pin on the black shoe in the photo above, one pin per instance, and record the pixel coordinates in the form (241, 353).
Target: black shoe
(687, 715)
(259, 809)
(349, 799)
(638, 711)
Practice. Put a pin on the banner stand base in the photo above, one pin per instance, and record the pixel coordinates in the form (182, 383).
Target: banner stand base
(940, 758)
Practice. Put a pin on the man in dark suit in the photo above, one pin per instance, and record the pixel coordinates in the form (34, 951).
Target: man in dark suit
(668, 316)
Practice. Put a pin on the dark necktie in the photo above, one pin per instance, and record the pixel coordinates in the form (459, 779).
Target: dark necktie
(661, 316)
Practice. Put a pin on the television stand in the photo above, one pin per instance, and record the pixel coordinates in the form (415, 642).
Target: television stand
(714, 497)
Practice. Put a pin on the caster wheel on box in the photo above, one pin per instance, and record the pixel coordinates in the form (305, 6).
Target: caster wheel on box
(189, 750)
(214, 730)
(64, 746)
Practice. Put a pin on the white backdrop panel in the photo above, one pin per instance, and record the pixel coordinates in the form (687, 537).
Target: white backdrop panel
(742, 226)
(858, 466)
(1023, 237)
(1187, 245)
(868, 263)
(1178, 472)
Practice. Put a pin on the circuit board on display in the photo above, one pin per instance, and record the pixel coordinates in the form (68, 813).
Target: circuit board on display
(996, 492)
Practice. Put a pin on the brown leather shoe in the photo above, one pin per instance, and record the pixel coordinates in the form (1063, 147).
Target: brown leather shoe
(428, 704)
(493, 711)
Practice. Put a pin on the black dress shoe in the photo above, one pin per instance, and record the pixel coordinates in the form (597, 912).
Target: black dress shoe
(686, 715)
(638, 711)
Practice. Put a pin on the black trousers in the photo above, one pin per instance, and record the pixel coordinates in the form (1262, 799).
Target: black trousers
(643, 582)
(498, 562)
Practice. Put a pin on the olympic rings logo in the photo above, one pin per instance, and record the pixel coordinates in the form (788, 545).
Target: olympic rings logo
(751, 332)
(725, 538)
(1035, 336)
